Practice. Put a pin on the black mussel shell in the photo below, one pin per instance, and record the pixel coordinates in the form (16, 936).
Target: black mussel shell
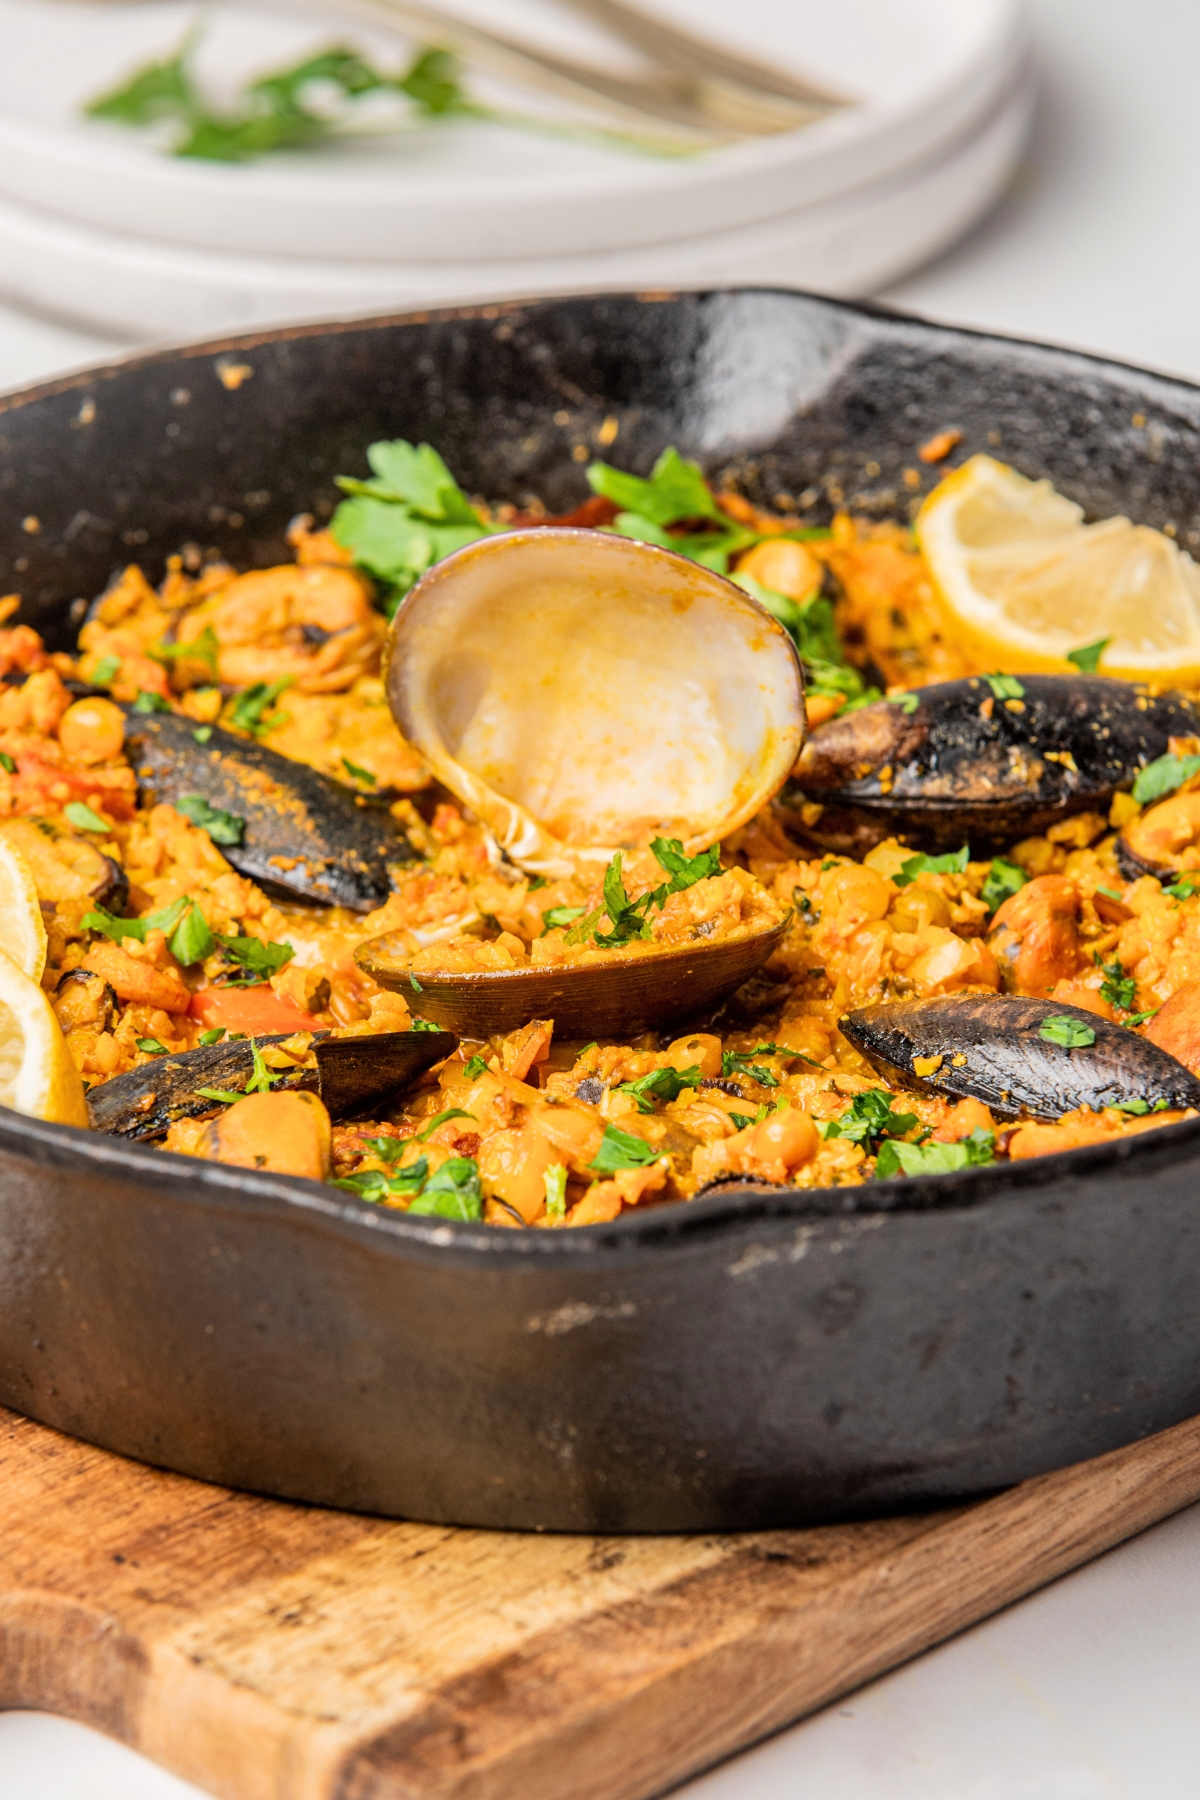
(992, 1050)
(351, 1073)
(956, 763)
(305, 837)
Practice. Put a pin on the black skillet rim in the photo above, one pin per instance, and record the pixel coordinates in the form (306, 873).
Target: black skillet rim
(728, 1207)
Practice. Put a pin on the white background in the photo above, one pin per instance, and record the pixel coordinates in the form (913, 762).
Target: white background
(1090, 1690)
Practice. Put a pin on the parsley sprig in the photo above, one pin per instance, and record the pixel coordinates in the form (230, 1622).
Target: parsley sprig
(660, 1084)
(629, 918)
(869, 1118)
(935, 1159)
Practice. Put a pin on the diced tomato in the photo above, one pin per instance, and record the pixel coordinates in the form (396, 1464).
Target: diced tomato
(257, 1011)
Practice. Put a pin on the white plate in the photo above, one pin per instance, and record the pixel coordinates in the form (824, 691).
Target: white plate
(147, 289)
(927, 71)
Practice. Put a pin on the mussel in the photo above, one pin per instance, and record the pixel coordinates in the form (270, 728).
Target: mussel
(65, 865)
(1000, 1049)
(296, 833)
(584, 693)
(348, 1073)
(983, 760)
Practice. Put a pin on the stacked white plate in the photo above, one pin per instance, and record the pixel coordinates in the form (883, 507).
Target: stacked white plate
(98, 223)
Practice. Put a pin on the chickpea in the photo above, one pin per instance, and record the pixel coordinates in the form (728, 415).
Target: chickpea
(512, 1165)
(917, 906)
(92, 731)
(701, 1050)
(855, 895)
(784, 565)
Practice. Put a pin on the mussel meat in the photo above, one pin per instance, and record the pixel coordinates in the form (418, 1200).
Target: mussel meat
(582, 693)
(983, 760)
(299, 835)
(999, 1049)
(348, 1074)
(65, 865)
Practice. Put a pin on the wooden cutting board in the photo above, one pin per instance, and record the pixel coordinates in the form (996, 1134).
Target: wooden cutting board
(275, 1652)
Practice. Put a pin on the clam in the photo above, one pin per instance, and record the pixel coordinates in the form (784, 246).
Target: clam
(991, 1047)
(983, 760)
(583, 693)
(296, 833)
(348, 1073)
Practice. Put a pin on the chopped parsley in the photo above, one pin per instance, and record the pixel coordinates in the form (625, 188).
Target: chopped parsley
(208, 1038)
(1140, 1018)
(869, 1118)
(1185, 888)
(262, 1080)
(357, 774)
(7, 763)
(738, 1062)
(151, 1047)
(259, 958)
(908, 703)
(453, 1192)
(475, 1068)
(628, 917)
(1140, 1107)
(1163, 776)
(106, 671)
(251, 710)
(222, 827)
(147, 702)
(192, 941)
(451, 1112)
(561, 915)
(414, 984)
(660, 1084)
(202, 733)
(203, 649)
(555, 1180)
(408, 515)
(1005, 687)
(83, 818)
(110, 926)
(1071, 1034)
(424, 1025)
(1087, 657)
(1002, 881)
(620, 1150)
(936, 1159)
(1118, 988)
(953, 863)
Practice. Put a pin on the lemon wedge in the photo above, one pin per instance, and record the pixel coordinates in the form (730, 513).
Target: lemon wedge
(37, 1075)
(1024, 581)
(22, 928)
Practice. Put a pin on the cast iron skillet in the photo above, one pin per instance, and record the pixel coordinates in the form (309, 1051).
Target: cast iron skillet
(756, 1358)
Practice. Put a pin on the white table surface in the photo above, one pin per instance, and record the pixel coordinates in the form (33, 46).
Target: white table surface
(1091, 1689)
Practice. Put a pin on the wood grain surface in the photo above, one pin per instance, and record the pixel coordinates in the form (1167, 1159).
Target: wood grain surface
(274, 1652)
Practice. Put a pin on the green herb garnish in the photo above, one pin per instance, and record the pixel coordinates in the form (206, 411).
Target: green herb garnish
(408, 515)
(555, 1180)
(203, 649)
(151, 1047)
(1185, 888)
(1071, 1034)
(737, 1062)
(660, 1084)
(936, 1159)
(7, 763)
(261, 959)
(83, 818)
(222, 827)
(192, 941)
(147, 702)
(106, 671)
(1140, 1107)
(870, 1117)
(1140, 1018)
(561, 915)
(1003, 880)
(475, 1068)
(202, 733)
(620, 1150)
(1005, 687)
(251, 710)
(908, 703)
(451, 1112)
(208, 1038)
(628, 917)
(453, 1192)
(953, 863)
(1118, 988)
(1087, 657)
(357, 774)
(1163, 776)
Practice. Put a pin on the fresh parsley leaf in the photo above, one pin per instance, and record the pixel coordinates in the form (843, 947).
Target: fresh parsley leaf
(1005, 687)
(424, 1025)
(869, 1117)
(1072, 1034)
(152, 1047)
(475, 1068)
(685, 871)
(908, 703)
(203, 649)
(409, 515)
(202, 733)
(1185, 888)
(263, 1079)
(676, 490)
(1087, 657)
(83, 818)
(561, 915)
(106, 671)
(1118, 988)
(1163, 776)
(742, 1120)
(414, 984)
(433, 83)
(1140, 1018)
(1003, 880)
(262, 959)
(935, 1159)
(7, 763)
(534, 882)
(192, 940)
(387, 1149)
(147, 702)
(954, 863)
(737, 1062)
(160, 90)
(555, 1181)
(452, 1192)
(620, 1150)
(660, 1084)
(357, 774)
(226, 1096)
(222, 827)
(112, 927)
(251, 710)
(451, 1112)
(214, 1036)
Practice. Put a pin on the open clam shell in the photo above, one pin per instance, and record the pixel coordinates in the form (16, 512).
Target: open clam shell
(589, 1000)
(582, 692)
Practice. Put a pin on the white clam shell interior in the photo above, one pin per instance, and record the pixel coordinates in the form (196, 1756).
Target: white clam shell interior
(582, 692)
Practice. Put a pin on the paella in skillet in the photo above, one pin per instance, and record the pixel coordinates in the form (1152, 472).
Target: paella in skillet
(934, 905)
